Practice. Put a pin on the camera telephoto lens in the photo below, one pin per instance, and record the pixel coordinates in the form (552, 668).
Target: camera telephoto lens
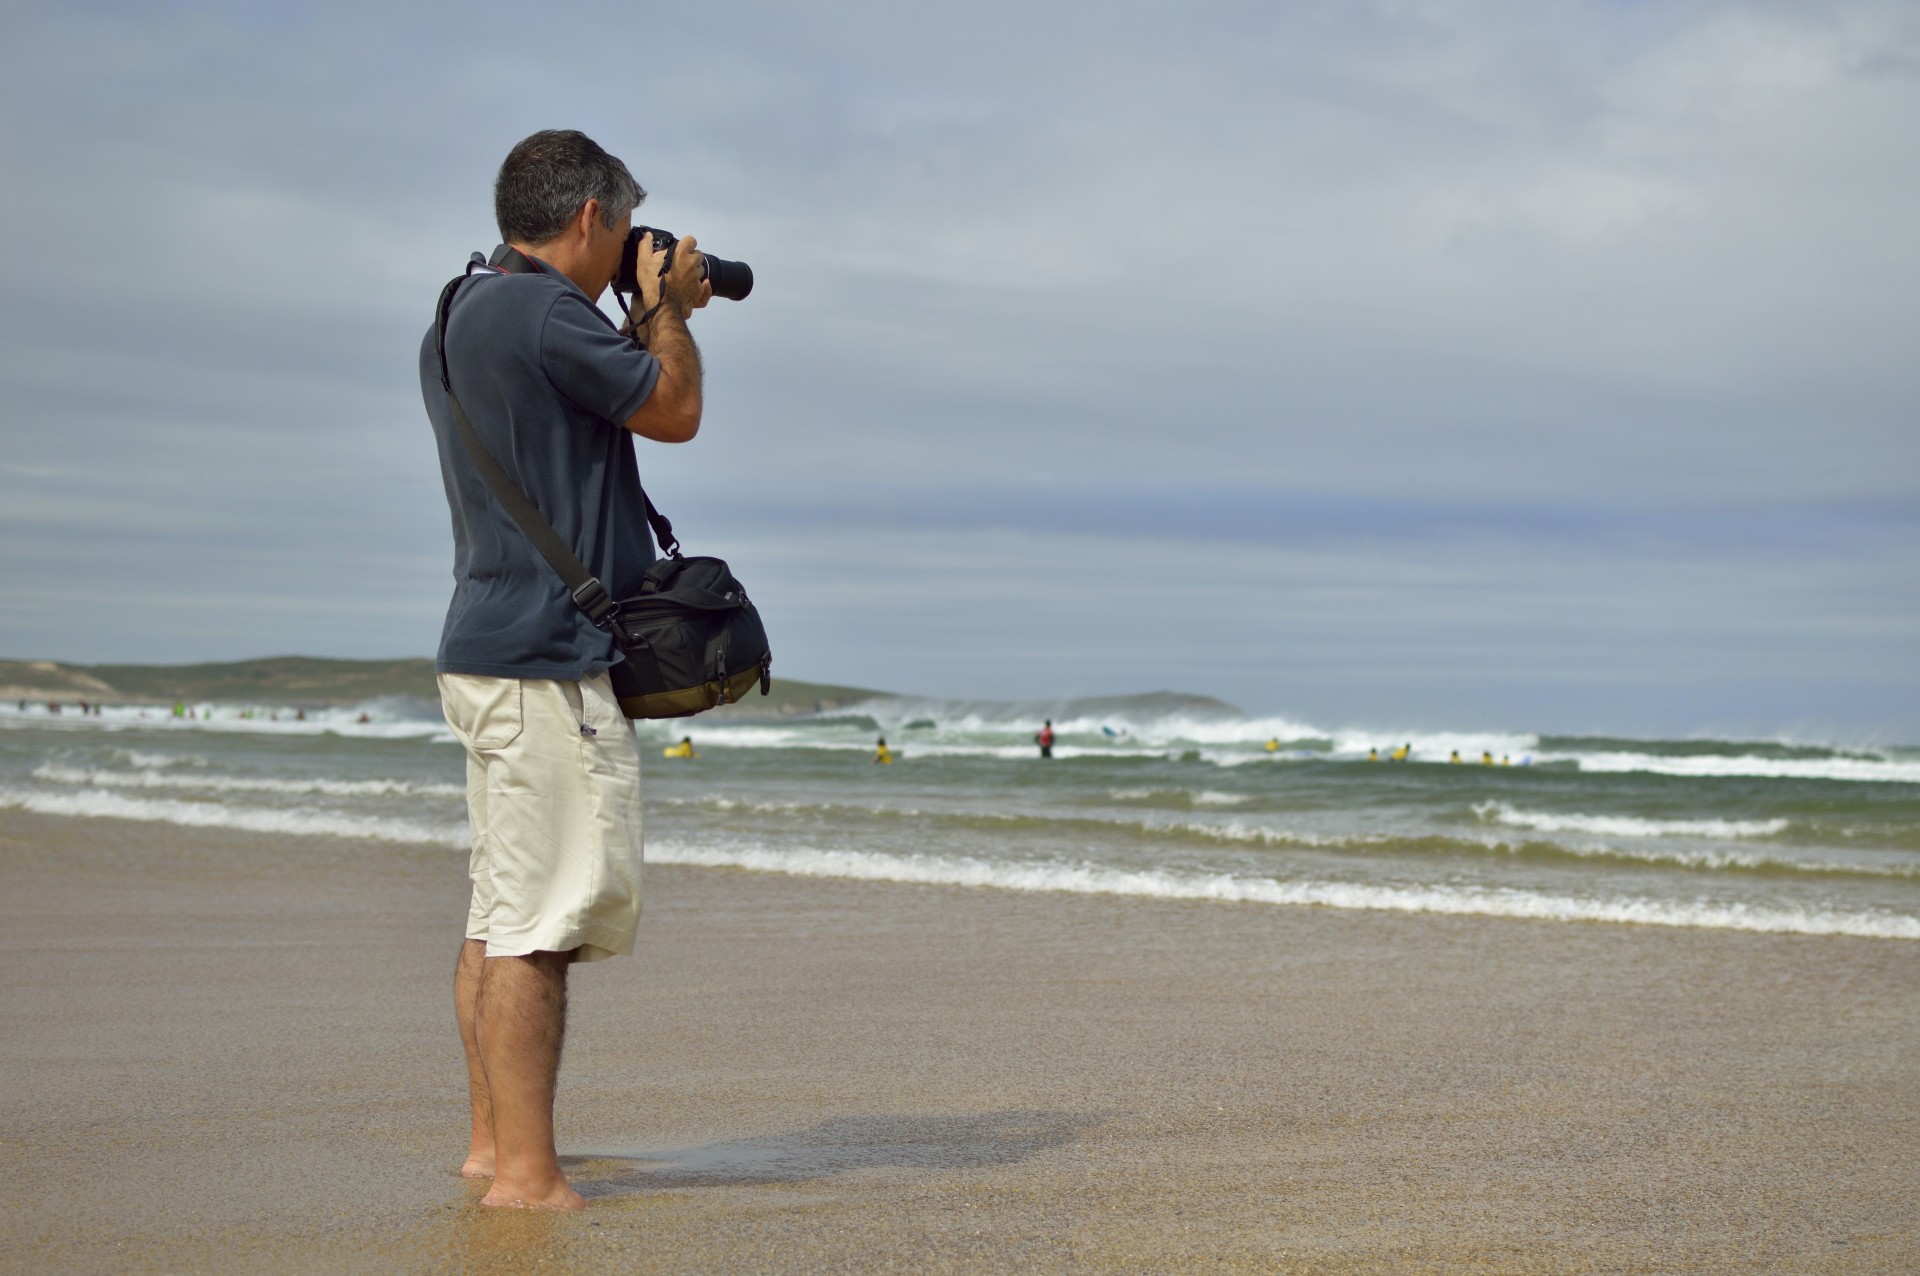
(730, 279)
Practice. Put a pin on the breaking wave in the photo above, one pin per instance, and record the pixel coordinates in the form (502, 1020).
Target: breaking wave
(1083, 879)
(95, 804)
(1625, 825)
(53, 773)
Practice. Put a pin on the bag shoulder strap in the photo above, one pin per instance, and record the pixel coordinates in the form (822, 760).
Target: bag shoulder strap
(588, 593)
(508, 260)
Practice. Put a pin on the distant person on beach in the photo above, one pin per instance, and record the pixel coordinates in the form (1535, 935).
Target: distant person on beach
(882, 754)
(1045, 739)
(554, 393)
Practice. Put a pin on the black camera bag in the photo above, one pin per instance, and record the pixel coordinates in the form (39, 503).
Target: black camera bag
(691, 637)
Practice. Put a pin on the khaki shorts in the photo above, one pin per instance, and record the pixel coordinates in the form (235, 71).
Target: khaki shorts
(553, 801)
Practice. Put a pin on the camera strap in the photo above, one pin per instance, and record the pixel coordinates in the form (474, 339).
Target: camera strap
(588, 592)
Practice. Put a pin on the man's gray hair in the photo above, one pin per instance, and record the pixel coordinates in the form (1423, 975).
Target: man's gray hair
(549, 176)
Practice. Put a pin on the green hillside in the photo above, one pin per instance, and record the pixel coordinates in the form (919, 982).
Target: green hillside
(312, 682)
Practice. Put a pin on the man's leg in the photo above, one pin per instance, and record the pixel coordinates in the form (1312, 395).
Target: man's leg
(466, 995)
(520, 1021)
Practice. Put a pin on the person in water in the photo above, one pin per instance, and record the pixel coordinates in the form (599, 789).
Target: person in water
(1455, 759)
(1404, 752)
(1486, 757)
(1373, 755)
(1273, 744)
(1045, 739)
(684, 749)
(881, 753)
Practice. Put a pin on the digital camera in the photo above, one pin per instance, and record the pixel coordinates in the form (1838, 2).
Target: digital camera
(730, 279)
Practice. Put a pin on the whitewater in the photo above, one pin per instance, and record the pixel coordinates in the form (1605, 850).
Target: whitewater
(1142, 799)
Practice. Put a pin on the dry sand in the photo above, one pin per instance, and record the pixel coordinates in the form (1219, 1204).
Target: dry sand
(224, 1052)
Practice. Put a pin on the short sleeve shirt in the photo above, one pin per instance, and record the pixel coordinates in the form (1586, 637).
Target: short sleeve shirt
(547, 381)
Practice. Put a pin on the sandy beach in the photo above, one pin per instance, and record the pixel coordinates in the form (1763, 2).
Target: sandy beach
(229, 1052)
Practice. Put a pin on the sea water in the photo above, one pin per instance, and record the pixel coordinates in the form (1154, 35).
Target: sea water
(1816, 838)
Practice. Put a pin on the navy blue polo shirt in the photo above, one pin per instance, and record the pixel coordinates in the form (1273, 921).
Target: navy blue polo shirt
(546, 380)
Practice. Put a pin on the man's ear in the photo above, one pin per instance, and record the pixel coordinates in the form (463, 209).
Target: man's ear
(583, 223)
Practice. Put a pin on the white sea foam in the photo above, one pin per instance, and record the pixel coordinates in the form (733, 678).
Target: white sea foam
(1436, 746)
(116, 806)
(142, 758)
(52, 773)
(1625, 825)
(1192, 797)
(1086, 879)
(1233, 831)
(384, 722)
(1724, 764)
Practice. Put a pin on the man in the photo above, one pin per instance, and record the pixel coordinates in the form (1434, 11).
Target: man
(553, 771)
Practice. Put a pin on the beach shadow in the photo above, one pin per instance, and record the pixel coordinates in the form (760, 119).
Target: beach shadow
(974, 1141)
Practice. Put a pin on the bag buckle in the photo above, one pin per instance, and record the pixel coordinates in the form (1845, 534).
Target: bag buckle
(599, 605)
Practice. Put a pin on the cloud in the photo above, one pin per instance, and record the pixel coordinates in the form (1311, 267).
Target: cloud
(1592, 288)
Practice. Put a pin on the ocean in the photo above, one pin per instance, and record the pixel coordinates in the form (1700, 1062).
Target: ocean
(1144, 796)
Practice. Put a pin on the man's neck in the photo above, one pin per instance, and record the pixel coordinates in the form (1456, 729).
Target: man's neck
(573, 265)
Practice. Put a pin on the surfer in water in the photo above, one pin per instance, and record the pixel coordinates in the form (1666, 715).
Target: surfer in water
(1045, 739)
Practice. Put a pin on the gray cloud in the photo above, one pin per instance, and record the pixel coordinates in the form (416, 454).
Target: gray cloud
(1606, 306)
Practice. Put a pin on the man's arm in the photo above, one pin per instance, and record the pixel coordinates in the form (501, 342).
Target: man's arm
(671, 413)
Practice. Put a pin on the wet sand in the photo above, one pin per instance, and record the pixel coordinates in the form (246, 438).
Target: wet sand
(224, 1052)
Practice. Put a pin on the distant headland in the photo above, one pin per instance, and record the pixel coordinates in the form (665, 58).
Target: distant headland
(312, 682)
(309, 682)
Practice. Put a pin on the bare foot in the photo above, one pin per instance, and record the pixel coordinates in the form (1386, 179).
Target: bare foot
(477, 1167)
(560, 1196)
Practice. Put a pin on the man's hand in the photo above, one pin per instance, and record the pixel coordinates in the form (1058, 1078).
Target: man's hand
(685, 285)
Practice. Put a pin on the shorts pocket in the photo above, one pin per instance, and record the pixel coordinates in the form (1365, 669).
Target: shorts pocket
(484, 712)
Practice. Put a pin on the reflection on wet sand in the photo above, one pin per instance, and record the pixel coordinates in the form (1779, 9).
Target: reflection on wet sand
(468, 1238)
(843, 1146)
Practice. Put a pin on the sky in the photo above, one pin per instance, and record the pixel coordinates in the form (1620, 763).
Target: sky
(1534, 365)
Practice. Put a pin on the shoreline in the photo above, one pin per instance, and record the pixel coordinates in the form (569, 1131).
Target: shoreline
(230, 1051)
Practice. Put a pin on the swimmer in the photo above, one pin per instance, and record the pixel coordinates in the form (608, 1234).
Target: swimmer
(1486, 757)
(1455, 759)
(1273, 745)
(1373, 755)
(1404, 752)
(684, 749)
(882, 755)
